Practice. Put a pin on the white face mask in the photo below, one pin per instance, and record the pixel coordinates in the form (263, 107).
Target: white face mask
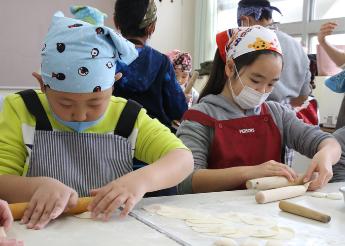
(248, 97)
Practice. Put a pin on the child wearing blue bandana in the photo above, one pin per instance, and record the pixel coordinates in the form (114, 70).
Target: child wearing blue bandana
(74, 139)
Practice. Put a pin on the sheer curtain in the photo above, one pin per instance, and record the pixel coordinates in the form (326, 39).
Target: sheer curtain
(205, 31)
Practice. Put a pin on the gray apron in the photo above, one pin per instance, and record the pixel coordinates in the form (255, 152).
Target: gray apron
(82, 161)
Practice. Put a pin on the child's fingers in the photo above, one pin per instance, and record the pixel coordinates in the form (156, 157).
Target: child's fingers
(129, 205)
(321, 180)
(73, 200)
(7, 224)
(45, 217)
(36, 215)
(101, 206)
(29, 211)
(99, 196)
(118, 202)
(59, 206)
(309, 172)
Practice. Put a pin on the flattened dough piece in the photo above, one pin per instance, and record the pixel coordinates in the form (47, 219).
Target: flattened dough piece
(318, 194)
(85, 215)
(231, 216)
(251, 242)
(262, 231)
(274, 243)
(335, 196)
(257, 220)
(225, 242)
(240, 233)
(284, 233)
(205, 220)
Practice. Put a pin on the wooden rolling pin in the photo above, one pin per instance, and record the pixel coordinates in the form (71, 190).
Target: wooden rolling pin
(303, 211)
(281, 193)
(267, 183)
(18, 209)
(191, 82)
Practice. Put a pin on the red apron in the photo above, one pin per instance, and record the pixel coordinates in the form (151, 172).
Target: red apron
(245, 141)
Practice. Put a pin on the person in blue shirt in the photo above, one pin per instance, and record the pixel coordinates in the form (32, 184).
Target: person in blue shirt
(150, 79)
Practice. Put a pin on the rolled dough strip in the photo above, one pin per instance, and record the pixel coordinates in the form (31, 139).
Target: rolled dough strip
(334, 196)
(18, 209)
(191, 82)
(267, 183)
(280, 193)
(318, 194)
(2, 232)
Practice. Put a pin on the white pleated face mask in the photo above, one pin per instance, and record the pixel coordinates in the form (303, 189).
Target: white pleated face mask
(248, 97)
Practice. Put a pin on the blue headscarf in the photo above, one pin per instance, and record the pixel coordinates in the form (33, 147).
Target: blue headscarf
(247, 8)
(337, 82)
(79, 57)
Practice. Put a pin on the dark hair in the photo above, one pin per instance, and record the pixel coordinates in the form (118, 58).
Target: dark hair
(218, 78)
(128, 16)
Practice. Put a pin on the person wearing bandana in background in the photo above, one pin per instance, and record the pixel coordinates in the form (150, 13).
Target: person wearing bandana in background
(234, 134)
(150, 79)
(337, 84)
(182, 63)
(294, 87)
(74, 139)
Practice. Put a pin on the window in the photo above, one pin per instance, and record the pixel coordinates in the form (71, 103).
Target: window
(301, 19)
(227, 14)
(337, 39)
(291, 12)
(327, 9)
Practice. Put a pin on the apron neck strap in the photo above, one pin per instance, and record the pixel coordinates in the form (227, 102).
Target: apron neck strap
(34, 106)
(127, 119)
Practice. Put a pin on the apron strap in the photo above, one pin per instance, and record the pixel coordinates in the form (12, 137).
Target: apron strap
(127, 119)
(34, 105)
(197, 116)
(264, 109)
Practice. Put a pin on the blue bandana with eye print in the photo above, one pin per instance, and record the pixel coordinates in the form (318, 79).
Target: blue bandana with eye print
(337, 82)
(78, 57)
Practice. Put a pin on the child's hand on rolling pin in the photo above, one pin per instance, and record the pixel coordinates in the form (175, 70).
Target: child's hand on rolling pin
(321, 164)
(123, 192)
(5, 215)
(272, 168)
(49, 200)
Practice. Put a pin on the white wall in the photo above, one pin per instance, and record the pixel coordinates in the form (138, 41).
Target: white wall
(22, 36)
(175, 26)
(24, 25)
